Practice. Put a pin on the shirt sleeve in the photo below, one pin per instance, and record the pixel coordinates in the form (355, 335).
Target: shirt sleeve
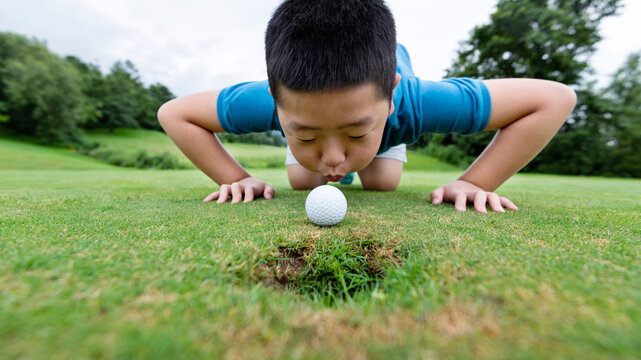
(457, 105)
(247, 107)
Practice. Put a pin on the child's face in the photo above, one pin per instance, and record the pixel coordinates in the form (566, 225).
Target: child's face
(334, 132)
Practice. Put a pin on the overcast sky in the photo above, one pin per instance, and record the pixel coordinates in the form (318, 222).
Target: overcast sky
(197, 45)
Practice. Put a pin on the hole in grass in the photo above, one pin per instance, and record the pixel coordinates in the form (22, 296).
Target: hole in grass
(331, 269)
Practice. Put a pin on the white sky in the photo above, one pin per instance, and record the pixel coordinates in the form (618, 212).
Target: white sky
(197, 45)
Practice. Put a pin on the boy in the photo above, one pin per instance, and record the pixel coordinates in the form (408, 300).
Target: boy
(344, 95)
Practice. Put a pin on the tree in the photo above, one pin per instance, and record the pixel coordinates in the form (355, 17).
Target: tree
(41, 93)
(48, 98)
(157, 94)
(94, 90)
(535, 38)
(625, 93)
(583, 144)
(126, 101)
(122, 98)
(547, 39)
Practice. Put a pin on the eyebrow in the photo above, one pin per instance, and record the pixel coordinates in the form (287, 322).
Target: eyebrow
(364, 121)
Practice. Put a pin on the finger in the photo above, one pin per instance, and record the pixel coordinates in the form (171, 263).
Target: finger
(437, 196)
(224, 194)
(212, 196)
(460, 201)
(269, 192)
(495, 202)
(479, 201)
(507, 203)
(249, 194)
(236, 193)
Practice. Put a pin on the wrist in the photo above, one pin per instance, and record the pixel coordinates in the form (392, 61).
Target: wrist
(472, 181)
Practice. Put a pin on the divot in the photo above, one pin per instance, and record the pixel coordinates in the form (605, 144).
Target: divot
(331, 266)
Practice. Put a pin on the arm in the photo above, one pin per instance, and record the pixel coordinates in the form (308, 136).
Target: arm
(189, 121)
(528, 113)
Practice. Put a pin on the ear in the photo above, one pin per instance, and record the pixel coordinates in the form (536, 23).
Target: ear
(270, 92)
(397, 80)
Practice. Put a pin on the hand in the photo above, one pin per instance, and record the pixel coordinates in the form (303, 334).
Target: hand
(461, 192)
(248, 186)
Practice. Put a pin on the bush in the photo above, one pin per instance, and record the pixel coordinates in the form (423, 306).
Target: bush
(141, 159)
(273, 138)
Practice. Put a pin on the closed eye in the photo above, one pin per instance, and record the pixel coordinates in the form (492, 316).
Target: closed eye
(306, 141)
(357, 137)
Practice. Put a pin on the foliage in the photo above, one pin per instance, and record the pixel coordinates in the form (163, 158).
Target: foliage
(127, 104)
(93, 88)
(140, 159)
(583, 144)
(535, 38)
(273, 138)
(625, 93)
(156, 95)
(41, 94)
(550, 40)
(50, 98)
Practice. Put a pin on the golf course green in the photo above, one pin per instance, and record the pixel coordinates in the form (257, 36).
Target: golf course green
(104, 262)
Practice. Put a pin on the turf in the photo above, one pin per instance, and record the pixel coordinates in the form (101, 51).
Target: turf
(20, 155)
(131, 141)
(113, 263)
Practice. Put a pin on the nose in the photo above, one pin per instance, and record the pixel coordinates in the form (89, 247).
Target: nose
(333, 154)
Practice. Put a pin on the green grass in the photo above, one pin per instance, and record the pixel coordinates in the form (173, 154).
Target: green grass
(131, 141)
(419, 162)
(19, 155)
(118, 263)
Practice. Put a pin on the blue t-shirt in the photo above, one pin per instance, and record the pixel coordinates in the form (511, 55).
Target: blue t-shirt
(456, 105)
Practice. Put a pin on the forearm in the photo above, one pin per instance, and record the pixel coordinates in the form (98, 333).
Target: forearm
(513, 147)
(204, 150)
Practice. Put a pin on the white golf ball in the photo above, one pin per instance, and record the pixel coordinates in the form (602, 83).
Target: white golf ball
(326, 205)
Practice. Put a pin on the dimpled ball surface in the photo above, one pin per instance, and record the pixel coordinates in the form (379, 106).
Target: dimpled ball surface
(326, 205)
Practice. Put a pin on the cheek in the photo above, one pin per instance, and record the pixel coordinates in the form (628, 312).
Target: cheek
(361, 156)
(305, 156)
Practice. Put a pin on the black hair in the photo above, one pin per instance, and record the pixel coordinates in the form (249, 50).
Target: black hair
(321, 45)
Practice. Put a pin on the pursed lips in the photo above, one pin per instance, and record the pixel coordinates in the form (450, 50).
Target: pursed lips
(334, 178)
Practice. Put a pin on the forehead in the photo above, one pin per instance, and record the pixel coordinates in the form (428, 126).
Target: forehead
(352, 96)
(349, 105)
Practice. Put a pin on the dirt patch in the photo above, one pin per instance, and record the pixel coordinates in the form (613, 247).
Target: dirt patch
(331, 266)
(292, 264)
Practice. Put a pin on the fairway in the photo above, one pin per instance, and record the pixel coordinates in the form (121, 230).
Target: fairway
(117, 263)
(130, 141)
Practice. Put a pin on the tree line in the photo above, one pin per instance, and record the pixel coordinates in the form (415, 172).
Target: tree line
(50, 98)
(554, 40)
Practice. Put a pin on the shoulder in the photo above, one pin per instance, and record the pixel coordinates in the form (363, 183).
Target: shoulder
(247, 107)
(454, 105)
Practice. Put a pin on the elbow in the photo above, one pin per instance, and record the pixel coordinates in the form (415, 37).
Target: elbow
(560, 102)
(164, 114)
(571, 98)
(565, 98)
(568, 102)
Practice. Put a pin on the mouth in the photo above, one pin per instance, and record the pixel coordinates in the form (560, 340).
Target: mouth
(334, 178)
